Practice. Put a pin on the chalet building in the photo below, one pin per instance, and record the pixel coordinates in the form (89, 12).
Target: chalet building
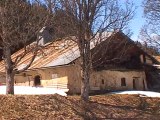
(117, 64)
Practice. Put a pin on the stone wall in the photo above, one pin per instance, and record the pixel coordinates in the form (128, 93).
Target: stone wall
(112, 80)
(69, 77)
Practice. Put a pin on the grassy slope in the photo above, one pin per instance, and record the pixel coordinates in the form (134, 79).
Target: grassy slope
(50, 107)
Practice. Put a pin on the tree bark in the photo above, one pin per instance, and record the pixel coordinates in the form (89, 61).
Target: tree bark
(9, 71)
(85, 65)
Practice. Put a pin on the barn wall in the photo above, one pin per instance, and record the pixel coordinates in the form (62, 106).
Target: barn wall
(111, 80)
(59, 77)
(145, 59)
(70, 77)
(149, 61)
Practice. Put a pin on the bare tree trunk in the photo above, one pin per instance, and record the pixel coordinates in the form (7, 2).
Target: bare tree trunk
(85, 65)
(9, 71)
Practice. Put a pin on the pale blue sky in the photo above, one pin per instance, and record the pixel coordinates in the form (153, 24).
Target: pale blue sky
(138, 20)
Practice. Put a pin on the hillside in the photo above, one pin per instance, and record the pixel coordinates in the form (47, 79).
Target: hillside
(50, 107)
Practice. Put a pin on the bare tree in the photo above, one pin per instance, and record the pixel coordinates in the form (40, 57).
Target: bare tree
(90, 18)
(151, 9)
(150, 35)
(151, 31)
(20, 23)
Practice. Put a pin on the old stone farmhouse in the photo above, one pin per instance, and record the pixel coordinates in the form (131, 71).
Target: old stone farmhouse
(117, 64)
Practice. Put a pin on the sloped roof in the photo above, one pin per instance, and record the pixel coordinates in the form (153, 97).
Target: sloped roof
(53, 54)
(60, 52)
(118, 51)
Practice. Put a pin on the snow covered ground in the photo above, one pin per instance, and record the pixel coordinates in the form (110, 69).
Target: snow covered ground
(26, 90)
(141, 93)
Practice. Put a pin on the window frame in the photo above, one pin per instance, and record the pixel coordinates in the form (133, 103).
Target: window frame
(123, 82)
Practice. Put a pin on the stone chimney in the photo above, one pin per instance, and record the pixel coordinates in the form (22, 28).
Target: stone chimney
(45, 36)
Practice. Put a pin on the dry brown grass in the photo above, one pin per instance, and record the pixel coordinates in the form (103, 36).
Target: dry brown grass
(55, 107)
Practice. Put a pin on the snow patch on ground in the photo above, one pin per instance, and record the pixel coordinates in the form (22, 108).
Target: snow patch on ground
(26, 90)
(141, 93)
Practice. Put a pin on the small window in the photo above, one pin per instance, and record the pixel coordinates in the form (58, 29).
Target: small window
(24, 74)
(123, 81)
(102, 81)
(54, 76)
